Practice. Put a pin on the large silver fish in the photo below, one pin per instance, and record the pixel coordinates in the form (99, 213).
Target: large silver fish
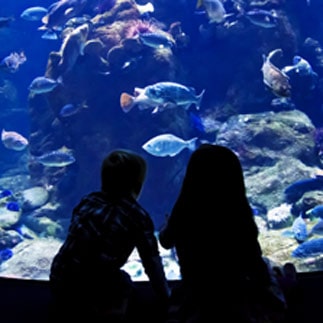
(168, 145)
(42, 84)
(34, 13)
(160, 96)
(273, 77)
(56, 158)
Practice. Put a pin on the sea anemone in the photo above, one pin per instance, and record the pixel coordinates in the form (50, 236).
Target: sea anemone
(136, 27)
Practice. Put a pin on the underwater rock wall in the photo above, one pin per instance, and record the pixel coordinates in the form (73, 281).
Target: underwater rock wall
(223, 59)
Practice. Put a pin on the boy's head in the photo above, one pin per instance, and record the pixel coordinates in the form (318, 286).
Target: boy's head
(123, 173)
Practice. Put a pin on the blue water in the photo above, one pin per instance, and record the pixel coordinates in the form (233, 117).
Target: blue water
(224, 59)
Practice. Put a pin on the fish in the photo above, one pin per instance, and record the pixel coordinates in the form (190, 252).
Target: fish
(299, 229)
(5, 254)
(5, 21)
(12, 62)
(310, 248)
(303, 69)
(214, 9)
(205, 123)
(295, 191)
(56, 158)
(70, 109)
(9, 214)
(168, 145)
(317, 228)
(262, 18)
(34, 13)
(78, 21)
(300, 66)
(145, 8)
(273, 77)
(4, 194)
(282, 104)
(13, 206)
(13, 140)
(72, 47)
(316, 211)
(42, 84)
(157, 39)
(160, 96)
(50, 35)
(58, 14)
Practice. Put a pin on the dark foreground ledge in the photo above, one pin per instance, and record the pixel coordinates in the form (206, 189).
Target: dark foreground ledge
(29, 300)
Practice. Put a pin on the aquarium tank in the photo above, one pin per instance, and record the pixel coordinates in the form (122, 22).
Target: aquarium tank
(79, 78)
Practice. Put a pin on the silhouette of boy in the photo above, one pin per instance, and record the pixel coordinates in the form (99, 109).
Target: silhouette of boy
(106, 226)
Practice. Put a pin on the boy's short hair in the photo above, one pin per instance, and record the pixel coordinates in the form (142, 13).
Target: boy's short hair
(123, 172)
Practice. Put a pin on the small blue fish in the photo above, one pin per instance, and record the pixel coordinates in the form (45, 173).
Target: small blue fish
(205, 123)
(310, 248)
(50, 35)
(5, 193)
(296, 190)
(13, 206)
(168, 145)
(316, 211)
(299, 229)
(317, 228)
(71, 109)
(5, 254)
(197, 122)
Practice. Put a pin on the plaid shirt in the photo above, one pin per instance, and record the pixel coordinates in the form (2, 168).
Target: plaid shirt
(102, 235)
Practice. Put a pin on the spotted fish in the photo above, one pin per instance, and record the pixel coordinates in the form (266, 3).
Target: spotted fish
(276, 80)
(160, 96)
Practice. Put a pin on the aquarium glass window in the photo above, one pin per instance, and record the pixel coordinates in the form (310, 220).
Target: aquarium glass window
(79, 78)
